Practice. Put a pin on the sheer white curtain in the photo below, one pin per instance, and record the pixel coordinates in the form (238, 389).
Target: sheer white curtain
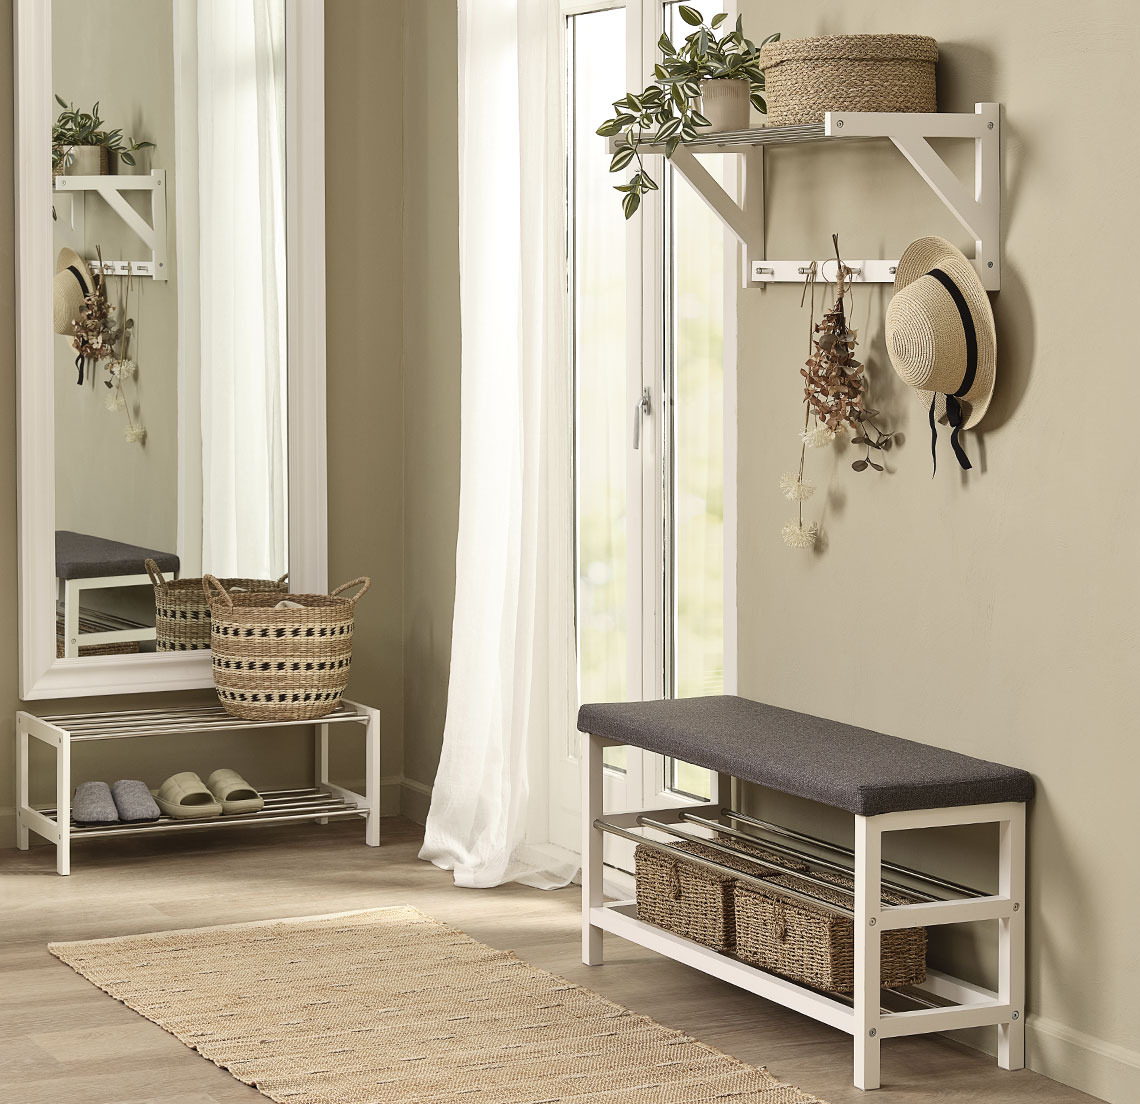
(241, 188)
(512, 660)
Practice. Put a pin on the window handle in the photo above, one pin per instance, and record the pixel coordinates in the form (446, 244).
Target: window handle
(644, 406)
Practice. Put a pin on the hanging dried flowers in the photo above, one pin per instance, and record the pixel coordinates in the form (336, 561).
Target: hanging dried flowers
(795, 488)
(798, 535)
(95, 333)
(835, 393)
(122, 369)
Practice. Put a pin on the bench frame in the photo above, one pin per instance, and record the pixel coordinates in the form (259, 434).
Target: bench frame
(865, 1020)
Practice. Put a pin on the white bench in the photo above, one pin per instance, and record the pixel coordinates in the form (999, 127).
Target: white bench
(85, 563)
(888, 785)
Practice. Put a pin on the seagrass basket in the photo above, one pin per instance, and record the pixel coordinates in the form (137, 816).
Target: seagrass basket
(798, 940)
(288, 664)
(182, 614)
(692, 900)
(804, 77)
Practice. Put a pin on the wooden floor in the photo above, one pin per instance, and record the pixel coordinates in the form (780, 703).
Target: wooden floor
(64, 1042)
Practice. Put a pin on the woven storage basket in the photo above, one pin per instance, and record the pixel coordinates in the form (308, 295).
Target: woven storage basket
(287, 664)
(182, 614)
(804, 77)
(808, 944)
(692, 900)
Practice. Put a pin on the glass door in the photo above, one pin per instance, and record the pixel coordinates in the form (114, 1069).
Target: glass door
(646, 302)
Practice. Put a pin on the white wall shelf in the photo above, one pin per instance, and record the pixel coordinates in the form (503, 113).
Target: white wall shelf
(113, 189)
(977, 209)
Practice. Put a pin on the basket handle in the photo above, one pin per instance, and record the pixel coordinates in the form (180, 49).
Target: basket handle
(283, 580)
(359, 594)
(155, 575)
(211, 584)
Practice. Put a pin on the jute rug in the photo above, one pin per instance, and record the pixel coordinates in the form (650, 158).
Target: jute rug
(390, 1007)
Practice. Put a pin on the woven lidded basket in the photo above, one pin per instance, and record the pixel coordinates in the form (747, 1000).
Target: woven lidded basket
(804, 77)
(796, 939)
(289, 664)
(182, 614)
(692, 900)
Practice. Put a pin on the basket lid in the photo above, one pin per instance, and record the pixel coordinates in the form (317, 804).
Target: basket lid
(861, 47)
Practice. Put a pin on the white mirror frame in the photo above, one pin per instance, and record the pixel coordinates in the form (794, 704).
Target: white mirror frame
(42, 675)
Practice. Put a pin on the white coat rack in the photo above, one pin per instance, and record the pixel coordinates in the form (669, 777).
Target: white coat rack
(112, 189)
(977, 209)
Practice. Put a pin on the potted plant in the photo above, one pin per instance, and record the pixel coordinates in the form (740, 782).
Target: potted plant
(707, 82)
(81, 147)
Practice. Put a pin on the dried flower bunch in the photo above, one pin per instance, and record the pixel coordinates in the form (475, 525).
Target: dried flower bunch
(835, 400)
(95, 333)
(119, 371)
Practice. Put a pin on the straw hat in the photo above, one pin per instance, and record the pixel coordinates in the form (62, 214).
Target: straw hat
(70, 285)
(941, 337)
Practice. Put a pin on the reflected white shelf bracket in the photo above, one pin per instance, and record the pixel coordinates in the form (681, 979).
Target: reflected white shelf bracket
(979, 212)
(112, 189)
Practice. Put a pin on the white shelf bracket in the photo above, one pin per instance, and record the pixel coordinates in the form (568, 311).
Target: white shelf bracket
(979, 214)
(112, 189)
(747, 221)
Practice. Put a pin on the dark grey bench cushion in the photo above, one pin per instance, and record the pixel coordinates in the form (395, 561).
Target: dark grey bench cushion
(79, 556)
(837, 764)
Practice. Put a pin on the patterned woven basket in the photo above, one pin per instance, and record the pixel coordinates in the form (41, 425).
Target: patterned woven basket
(804, 77)
(288, 664)
(692, 900)
(182, 614)
(811, 945)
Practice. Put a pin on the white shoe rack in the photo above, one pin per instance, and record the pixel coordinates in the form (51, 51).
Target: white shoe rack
(321, 802)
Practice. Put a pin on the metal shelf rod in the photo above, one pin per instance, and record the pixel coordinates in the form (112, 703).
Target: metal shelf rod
(795, 853)
(847, 852)
(720, 868)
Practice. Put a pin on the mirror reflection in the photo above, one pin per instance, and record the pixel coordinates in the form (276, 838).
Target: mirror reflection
(170, 373)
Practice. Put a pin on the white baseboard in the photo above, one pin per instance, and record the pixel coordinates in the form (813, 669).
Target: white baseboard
(415, 800)
(1099, 1068)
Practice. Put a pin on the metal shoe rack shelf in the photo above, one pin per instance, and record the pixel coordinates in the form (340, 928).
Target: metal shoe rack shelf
(321, 802)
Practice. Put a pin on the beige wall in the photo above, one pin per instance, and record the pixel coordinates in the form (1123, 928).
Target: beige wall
(431, 381)
(994, 612)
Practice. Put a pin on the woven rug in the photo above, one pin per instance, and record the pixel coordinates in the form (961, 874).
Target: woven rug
(388, 1006)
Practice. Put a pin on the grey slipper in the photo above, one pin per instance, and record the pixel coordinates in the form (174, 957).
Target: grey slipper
(93, 804)
(133, 801)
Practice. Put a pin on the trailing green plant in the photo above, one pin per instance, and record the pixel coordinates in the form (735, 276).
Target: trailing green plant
(666, 112)
(74, 128)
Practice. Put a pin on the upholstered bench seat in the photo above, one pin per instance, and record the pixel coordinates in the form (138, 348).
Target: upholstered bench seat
(849, 768)
(80, 556)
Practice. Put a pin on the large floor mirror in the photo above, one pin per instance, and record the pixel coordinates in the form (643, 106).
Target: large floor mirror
(171, 337)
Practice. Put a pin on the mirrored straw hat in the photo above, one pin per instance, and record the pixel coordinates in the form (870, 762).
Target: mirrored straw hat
(941, 338)
(70, 286)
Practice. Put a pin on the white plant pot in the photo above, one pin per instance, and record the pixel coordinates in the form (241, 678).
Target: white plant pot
(725, 103)
(86, 161)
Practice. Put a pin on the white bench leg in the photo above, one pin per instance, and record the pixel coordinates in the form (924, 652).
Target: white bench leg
(321, 759)
(372, 778)
(71, 589)
(868, 971)
(591, 847)
(63, 806)
(1011, 940)
(21, 783)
